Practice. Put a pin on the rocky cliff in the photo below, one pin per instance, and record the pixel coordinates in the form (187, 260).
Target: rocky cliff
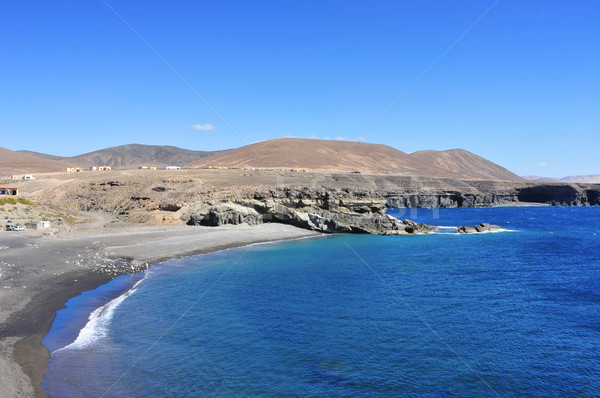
(483, 195)
(163, 197)
(328, 215)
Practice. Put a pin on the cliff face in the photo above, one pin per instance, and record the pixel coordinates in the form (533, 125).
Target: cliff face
(328, 216)
(562, 194)
(456, 199)
(425, 197)
(550, 194)
(168, 198)
(362, 210)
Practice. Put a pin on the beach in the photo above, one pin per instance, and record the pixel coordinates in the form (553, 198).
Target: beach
(40, 271)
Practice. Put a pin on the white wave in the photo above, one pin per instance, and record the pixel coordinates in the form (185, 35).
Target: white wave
(490, 232)
(453, 231)
(98, 321)
(498, 231)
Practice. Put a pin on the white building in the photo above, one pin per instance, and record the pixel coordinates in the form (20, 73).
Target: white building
(173, 167)
(37, 224)
(23, 177)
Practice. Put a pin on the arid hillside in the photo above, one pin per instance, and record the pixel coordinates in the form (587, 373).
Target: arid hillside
(466, 164)
(131, 156)
(280, 154)
(344, 156)
(12, 162)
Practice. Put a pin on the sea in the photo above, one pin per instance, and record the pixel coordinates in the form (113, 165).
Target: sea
(507, 314)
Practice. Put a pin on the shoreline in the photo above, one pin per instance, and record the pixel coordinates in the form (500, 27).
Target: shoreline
(69, 267)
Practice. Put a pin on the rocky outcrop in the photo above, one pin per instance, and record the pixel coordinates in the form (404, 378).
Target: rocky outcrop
(561, 194)
(231, 213)
(328, 216)
(456, 199)
(174, 193)
(479, 194)
(483, 227)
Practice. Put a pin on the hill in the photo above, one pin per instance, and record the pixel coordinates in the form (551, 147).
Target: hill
(344, 156)
(12, 162)
(466, 164)
(129, 156)
(540, 179)
(589, 179)
(133, 155)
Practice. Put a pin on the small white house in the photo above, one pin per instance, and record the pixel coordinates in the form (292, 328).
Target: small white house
(37, 224)
(23, 177)
(173, 167)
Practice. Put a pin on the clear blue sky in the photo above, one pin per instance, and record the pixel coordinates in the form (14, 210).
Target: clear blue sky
(522, 88)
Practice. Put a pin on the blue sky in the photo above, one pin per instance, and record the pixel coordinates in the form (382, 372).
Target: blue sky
(521, 88)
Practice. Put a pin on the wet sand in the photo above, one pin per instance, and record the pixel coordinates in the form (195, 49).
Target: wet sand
(39, 273)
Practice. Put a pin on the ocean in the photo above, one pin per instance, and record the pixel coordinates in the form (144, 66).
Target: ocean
(507, 314)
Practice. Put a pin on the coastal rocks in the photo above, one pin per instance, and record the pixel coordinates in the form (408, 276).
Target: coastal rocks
(376, 224)
(329, 216)
(450, 200)
(225, 213)
(355, 216)
(559, 195)
(483, 227)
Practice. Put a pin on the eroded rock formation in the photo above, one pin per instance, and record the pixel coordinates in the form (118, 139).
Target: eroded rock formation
(349, 216)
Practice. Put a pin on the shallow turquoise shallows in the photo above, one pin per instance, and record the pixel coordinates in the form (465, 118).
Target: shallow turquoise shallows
(508, 314)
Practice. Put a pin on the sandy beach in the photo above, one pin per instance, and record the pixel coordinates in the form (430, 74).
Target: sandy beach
(39, 272)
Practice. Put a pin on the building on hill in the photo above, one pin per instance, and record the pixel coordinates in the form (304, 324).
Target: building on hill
(75, 169)
(37, 224)
(100, 168)
(22, 177)
(9, 191)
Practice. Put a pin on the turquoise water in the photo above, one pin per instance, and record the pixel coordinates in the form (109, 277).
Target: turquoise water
(510, 314)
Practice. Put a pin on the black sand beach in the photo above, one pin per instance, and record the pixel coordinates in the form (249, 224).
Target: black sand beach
(40, 272)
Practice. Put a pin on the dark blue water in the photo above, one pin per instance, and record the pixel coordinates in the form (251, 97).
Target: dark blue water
(510, 314)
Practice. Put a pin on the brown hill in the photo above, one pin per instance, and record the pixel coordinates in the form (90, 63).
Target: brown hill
(343, 156)
(130, 156)
(465, 163)
(12, 162)
(320, 155)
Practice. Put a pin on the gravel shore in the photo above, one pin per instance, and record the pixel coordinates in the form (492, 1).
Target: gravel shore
(39, 272)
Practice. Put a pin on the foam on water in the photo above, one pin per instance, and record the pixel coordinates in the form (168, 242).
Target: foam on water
(97, 326)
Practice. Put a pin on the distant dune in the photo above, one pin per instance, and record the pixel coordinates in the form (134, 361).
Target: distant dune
(344, 156)
(590, 179)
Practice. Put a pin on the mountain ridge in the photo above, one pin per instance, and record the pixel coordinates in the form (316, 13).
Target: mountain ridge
(345, 156)
(283, 153)
(591, 179)
(123, 156)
